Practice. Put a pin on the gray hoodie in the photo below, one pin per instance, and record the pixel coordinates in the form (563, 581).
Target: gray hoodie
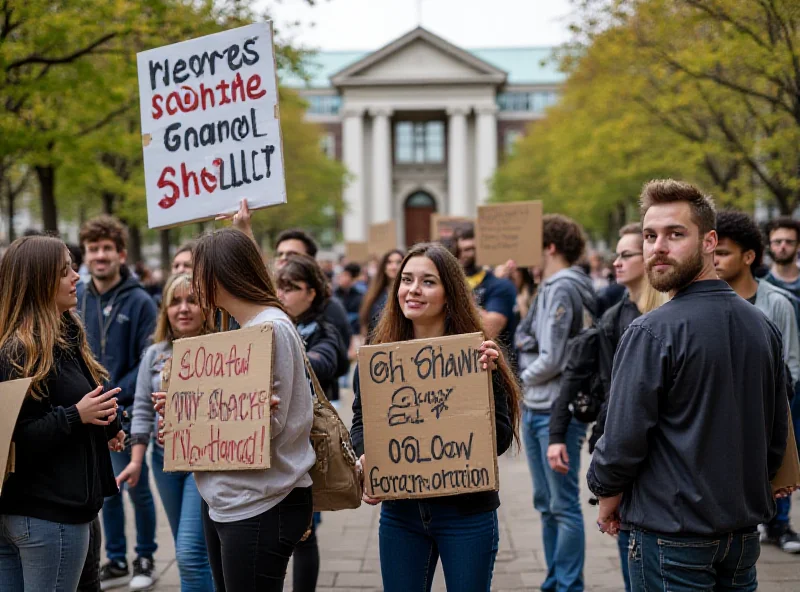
(774, 302)
(565, 304)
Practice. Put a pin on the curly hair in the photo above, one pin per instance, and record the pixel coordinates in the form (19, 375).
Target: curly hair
(300, 235)
(566, 234)
(741, 229)
(104, 228)
(782, 222)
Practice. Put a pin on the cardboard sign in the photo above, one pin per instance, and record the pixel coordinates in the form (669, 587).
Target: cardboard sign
(382, 238)
(217, 415)
(428, 414)
(444, 227)
(210, 129)
(12, 394)
(357, 252)
(510, 231)
(789, 473)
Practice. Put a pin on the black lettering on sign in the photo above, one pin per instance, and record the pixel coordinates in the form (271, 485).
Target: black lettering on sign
(431, 363)
(412, 483)
(383, 367)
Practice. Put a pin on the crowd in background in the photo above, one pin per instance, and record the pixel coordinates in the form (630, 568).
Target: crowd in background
(551, 336)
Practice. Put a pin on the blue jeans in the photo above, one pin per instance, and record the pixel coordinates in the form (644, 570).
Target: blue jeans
(557, 498)
(183, 505)
(623, 541)
(684, 563)
(413, 534)
(41, 555)
(144, 510)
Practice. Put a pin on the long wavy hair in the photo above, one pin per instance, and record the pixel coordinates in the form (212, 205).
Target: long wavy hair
(228, 258)
(379, 284)
(462, 316)
(31, 328)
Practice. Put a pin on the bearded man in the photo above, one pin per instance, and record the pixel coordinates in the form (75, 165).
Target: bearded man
(697, 419)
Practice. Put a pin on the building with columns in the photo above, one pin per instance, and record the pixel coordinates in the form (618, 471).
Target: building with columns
(421, 124)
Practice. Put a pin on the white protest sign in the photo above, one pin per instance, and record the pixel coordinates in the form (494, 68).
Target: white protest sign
(210, 128)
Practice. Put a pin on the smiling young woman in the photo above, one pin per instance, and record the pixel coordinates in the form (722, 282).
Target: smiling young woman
(430, 298)
(64, 428)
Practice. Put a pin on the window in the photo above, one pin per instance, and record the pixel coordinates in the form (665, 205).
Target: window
(324, 104)
(534, 102)
(509, 139)
(419, 141)
(328, 145)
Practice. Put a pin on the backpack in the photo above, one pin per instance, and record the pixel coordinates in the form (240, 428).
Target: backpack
(336, 485)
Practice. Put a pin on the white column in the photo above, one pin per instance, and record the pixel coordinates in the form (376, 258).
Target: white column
(457, 162)
(485, 150)
(355, 226)
(381, 166)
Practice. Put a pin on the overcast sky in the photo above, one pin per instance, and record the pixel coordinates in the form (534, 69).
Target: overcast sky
(369, 24)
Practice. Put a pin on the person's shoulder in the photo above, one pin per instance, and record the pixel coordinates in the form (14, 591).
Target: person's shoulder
(492, 283)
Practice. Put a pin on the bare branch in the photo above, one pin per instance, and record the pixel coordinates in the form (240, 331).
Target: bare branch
(719, 14)
(106, 120)
(39, 59)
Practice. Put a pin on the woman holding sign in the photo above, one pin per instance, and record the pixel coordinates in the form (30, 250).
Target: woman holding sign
(65, 426)
(180, 316)
(254, 519)
(430, 298)
(304, 291)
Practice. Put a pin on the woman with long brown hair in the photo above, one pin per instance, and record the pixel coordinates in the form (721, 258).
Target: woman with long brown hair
(253, 520)
(430, 298)
(65, 426)
(375, 299)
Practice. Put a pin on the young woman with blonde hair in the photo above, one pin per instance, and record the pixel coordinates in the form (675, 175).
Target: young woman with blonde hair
(180, 316)
(65, 427)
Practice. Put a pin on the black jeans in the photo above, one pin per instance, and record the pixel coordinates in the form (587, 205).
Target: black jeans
(90, 576)
(252, 554)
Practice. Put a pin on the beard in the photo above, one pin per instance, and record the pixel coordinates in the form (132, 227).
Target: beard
(680, 275)
(780, 259)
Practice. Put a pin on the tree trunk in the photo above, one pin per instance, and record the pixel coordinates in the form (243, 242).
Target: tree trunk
(10, 211)
(108, 203)
(166, 255)
(47, 195)
(134, 245)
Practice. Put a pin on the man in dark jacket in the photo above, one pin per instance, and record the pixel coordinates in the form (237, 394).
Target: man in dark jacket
(119, 316)
(697, 418)
(589, 359)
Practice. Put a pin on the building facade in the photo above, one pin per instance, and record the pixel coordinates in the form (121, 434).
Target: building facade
(421, 124)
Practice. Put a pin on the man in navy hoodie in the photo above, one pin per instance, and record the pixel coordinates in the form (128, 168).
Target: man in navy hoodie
(120, 317)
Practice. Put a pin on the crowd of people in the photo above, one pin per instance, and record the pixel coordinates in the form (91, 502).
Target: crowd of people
(684, 362)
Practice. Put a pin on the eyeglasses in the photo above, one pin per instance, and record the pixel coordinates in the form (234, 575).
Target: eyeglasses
(627, 255)
(289, 287)
(777, 242)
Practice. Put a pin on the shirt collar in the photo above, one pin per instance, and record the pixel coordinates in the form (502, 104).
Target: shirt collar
(704, 287)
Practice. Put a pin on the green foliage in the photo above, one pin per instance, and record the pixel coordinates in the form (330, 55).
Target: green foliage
(704, 90)
(69, 104)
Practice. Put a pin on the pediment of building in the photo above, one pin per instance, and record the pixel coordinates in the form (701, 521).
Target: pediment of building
(419, 57)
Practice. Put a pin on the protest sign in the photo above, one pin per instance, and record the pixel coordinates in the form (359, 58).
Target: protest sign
(444, 227)
(210, 128)
(789, 473)
(509, 231)
(428, 412)
(12, 394)
(382, 238)
(217, 414)
(356, 252)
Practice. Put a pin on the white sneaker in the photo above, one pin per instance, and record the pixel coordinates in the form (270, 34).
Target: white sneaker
(144, 576)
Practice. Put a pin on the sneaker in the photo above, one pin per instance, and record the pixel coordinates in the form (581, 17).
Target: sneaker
(785, 538)
(114, 574)
(143, 574)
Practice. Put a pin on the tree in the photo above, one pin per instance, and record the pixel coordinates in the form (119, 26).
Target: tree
(706, 90)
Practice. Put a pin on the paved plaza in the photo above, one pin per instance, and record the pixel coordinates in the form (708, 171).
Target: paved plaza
(349, 546)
